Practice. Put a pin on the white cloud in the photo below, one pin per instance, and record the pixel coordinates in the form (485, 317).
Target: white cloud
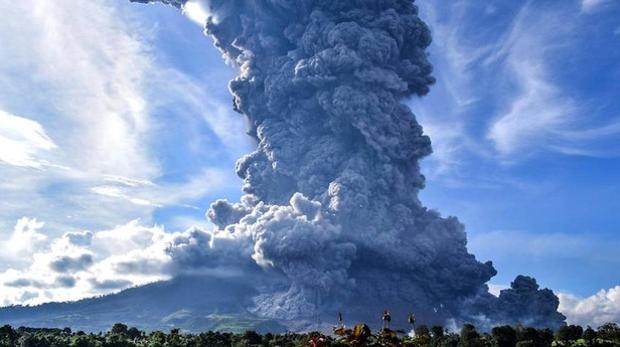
(87, 67)
(228, 126)
(21, 140)
(532, 108)
(534, 115)
(82, 70)
(589, 6)
(596, 310)
(25, 239)
(130, 182)
(455, 54)
(498, 95)
(538, 110)
(84, 264)
(444, 112)
(116, 192)
(79, 265)
(150, 194)
(195, 11)
(87, 75)
(495, 289)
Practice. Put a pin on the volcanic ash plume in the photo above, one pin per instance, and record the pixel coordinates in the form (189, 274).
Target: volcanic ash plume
(331, 216)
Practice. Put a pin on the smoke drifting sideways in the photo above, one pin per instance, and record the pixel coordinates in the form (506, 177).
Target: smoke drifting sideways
(331, 220)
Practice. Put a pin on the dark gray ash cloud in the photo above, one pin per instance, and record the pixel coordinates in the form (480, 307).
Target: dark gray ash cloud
(331, 215)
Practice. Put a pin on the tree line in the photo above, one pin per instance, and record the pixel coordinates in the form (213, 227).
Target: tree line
(121, 335)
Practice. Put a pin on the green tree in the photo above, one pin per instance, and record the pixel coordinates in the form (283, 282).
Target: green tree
(450, 340)
(252, 338)
(469, 337)
(157, 339)
(504, 336)
(422, 330)
(437, 332)
(527, 334)
(609, 332)
(8, 336)
(544, 338)
(83, 341)
(119, 329)
(590, 335)
(569, 333)
(134, 334)
(175, 339)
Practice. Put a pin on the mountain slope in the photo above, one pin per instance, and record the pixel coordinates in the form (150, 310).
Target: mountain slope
(189, 303)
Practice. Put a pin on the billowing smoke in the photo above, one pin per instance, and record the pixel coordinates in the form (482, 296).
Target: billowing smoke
(331, 215)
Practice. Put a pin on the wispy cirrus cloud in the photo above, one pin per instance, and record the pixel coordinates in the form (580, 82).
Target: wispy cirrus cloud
(79, 72)
(97, 98)
(444, 113)
(541, 115)
(22, 140)
(155, 195)
(94, 72)
(538, 111)
(501, 95)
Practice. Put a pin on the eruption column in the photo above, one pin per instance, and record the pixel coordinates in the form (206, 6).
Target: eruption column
(331, 207)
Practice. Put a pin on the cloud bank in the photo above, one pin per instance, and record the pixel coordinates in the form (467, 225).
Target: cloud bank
(84, 264)
(331, 211)
(596, 310)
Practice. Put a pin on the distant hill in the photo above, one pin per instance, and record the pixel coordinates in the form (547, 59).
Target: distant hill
(189, 303)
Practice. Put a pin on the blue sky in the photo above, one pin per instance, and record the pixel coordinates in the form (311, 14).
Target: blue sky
(527, 95)
(118, 121)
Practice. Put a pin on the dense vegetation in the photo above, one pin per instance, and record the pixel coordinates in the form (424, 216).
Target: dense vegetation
(503, 336)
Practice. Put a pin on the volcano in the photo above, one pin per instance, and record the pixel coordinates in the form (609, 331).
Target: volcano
(193, 304)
